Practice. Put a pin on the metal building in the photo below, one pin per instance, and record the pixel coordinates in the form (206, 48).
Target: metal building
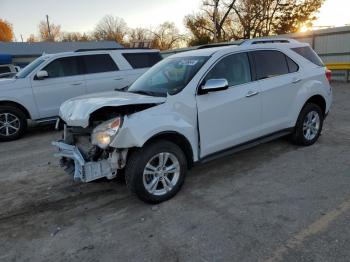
(332, 44)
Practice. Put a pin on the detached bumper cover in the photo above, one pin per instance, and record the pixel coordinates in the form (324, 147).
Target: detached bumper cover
(83, 170)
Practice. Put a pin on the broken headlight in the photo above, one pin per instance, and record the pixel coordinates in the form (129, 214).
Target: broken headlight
(103, 134)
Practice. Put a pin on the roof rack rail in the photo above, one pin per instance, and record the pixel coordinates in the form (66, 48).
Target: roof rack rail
(268, 41)
(108, 49)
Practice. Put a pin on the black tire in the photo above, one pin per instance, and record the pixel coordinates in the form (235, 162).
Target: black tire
(134, 173)
(21, 124)
(298, 135)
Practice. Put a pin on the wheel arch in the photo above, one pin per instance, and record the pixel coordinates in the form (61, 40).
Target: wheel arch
(177, 139)
(318, 100)
(17, 105)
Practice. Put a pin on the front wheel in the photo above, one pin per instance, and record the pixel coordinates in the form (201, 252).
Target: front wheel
(156, 172)
(309, 125)
(13, 123)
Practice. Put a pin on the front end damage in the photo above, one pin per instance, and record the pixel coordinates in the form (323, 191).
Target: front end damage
(87, 162)
(91, 124)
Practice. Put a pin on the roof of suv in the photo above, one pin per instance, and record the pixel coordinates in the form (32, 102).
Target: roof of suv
(250, 44)
(102, 51)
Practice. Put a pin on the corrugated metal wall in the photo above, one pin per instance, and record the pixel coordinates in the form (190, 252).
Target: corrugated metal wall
(332, 45)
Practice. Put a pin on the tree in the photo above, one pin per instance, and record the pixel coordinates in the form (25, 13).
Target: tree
(139, 34)
(213, 23)
(111, 28)
(53, 35)
(295, 15)
(167, 36)
(32, 39)
(200, 30)
(223, 20)
(6, 31)
(75, 37)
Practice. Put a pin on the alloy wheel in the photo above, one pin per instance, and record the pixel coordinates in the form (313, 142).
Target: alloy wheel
(311, 125)
(161, 174)
(9, 124)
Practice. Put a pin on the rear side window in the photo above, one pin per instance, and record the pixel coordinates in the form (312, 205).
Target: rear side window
(99, 64)
(142, 60)
(62, 67)
(309, 54)
(4, 69)
(292, 66)
(269, 63)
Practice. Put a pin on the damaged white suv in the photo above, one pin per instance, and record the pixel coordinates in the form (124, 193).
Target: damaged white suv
(193, 107)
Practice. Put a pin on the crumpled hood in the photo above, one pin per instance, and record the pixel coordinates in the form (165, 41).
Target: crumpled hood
(76, 111)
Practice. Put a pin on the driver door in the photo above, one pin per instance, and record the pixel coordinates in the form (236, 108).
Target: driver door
(233, 116)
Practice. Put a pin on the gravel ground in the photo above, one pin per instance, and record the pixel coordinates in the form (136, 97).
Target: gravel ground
(275, 202)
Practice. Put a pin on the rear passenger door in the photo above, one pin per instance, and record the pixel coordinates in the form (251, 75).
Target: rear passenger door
(102, 73)
(279, 80)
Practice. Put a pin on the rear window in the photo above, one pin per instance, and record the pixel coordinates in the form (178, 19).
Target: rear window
(309, 54)
(142, 60)
(4, 69)
(99, 64)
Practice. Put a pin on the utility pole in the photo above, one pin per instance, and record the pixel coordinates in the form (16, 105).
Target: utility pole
(48, 27)
(22, 38)
(215, 20)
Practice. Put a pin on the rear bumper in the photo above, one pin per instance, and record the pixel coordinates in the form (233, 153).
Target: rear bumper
(83, 170)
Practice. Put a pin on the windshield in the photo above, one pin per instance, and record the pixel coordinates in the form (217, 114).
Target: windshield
(29, 68)
(168, 76)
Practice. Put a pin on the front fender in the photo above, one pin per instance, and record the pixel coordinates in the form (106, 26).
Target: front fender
(138, 128)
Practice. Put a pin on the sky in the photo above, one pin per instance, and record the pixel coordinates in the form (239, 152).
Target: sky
(83, 15)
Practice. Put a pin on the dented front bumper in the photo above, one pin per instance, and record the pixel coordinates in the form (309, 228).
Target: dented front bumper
(73, 162)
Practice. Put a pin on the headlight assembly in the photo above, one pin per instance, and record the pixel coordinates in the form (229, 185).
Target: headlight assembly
(103, 134)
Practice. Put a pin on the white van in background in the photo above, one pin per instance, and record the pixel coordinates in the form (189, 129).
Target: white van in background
(37, 91)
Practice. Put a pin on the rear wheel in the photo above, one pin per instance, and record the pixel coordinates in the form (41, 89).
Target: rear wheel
(309, 125)
(13, 123)
(156, 172)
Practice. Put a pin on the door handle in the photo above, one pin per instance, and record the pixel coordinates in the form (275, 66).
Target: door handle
(118, 79)
(252, 93)
(296, 80)
(77, 84)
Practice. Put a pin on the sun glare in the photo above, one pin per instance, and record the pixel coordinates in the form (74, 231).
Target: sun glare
(304, 28)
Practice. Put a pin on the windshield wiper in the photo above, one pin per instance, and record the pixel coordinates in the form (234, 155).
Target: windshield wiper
(143, 92)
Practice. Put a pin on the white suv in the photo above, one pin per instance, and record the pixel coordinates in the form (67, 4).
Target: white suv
(38, 90)
(8, 70)
(193, 107)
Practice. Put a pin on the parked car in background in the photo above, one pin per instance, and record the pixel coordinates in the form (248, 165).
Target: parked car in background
(193, 107)
(37, 91)
(8, 70)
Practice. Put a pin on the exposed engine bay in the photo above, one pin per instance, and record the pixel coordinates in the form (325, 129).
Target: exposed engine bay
(85, 152)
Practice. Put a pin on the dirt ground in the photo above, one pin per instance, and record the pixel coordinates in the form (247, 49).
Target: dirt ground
(276, 202)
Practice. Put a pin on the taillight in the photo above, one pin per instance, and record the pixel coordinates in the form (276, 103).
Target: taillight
(328, 75)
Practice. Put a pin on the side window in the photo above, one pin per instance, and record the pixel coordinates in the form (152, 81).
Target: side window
(4, 69)
(234, 68)
(65, 66)
(269, 63)
(99, 64)
(292, 66)
(142, 60)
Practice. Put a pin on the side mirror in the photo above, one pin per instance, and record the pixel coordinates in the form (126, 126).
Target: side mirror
(42, 75)
(213, 85)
